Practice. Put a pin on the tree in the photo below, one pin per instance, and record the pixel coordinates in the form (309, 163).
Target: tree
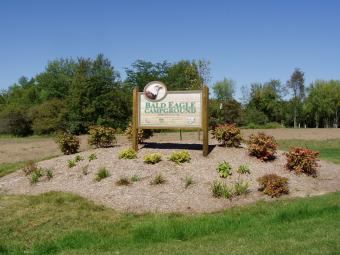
(224, 90)
(297, 85)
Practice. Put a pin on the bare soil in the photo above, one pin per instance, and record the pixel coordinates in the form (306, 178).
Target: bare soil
(172, 196)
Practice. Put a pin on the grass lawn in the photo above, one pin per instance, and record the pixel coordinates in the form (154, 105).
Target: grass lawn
(62, 223)
(329, 149)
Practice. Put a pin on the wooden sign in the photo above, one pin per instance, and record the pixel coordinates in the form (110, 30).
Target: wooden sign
(157, 108)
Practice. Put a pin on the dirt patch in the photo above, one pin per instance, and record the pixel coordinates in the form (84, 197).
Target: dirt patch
(172, 196)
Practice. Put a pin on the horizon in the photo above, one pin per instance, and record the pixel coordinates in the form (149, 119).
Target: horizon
(245, 41)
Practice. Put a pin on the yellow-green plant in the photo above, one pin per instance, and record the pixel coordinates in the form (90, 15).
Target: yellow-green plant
(153, 158)
(127, 154)
(224, 169)
(180, 157)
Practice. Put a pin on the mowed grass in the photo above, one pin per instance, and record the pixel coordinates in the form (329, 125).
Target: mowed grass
(61, 223)
(329, 149)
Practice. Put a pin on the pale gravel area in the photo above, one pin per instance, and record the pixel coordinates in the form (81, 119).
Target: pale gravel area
(172, 196)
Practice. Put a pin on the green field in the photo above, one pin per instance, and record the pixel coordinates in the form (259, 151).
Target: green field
(67, 224)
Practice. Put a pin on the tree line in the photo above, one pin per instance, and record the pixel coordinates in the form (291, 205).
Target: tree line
(70, 95)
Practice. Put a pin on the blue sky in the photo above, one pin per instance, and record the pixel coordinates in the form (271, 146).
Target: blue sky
(248, 41)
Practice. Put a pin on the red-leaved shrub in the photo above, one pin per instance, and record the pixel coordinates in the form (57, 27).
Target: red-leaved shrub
(302, 160)
(262, 146)
(228, 134)
(273, 185)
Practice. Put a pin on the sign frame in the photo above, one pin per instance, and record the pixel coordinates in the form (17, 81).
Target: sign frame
(204, 117)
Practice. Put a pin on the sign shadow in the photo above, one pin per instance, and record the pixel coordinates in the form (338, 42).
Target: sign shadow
(176, 146)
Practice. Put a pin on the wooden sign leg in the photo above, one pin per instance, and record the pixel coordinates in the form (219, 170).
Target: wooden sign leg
(135, 120)
(205, 121)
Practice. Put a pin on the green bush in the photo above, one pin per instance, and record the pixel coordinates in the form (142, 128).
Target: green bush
(135, 178)
(15, 121)
(153, 158)
(220, 189)
(143, 134)
(243, 169)
(224, 169)
(158, 179)
(127, 154)
(68, 143)
(102, 137)
(78, 158)
(92, 157)
(262, 146)
(36, 175)
(241, 187)
(228, 134)
(49, 174)
(71, 163)
(273, 185)
(102, 174)
(180, 157)
(188, 181)
(302, 160)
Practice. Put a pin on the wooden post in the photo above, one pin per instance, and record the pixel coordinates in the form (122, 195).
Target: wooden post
(135, 119)
(180, 134)
(205, 120)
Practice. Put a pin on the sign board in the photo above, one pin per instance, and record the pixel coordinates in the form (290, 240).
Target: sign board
(157, 108)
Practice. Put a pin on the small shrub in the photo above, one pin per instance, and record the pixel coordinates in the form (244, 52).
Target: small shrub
(228, 134)
(241, 187)
(85, 170)
(49, 174)
(224, 169)
(128, 154)
(273, 185)
(102, 174)
(188, 181)
(180, 157)
(78, 158)
(153, 158)
(220, 189)
(123, 181)
(36, 175)
(30, 167)
(158, 179)
(102, 137)
(262, 146)
(135, 178)
(92, 157)
(302, 160)
(68, 143)
(71, 163)
(143, 134)
(243, 169)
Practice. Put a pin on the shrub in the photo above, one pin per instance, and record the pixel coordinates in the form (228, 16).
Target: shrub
(273, 185)
(302, 160)
(30, 167)
(153, 158)
(224, 169)
(123, 181)
(228, 134)
(243, 169)
(159, 179)
(128, 154)
(102, 137)
(143, 134)
(92, 157)
(68, 143)
(135, 178)
(71, 163)
(180, 157)
(49, 174)
(78, 158)
(188, 181)
(220, 189)
(241, 187)
(262, 146)
(36, 175)
(102, 174)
